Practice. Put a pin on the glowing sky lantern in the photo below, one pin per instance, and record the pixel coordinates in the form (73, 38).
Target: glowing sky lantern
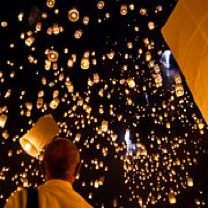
(100, 4)
(124, 9)
(73, 15)
(39, 136)
(172, 198)
(52, 55)
(186, 33)
(29, 41)
(85, 63)
(3, 119)
(104, 126)
(50, 3)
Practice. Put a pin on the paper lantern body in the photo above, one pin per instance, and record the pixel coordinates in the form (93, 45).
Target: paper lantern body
(172, 198)
(3, 119)
(100, 4)
(50, 3)
(186, 33)
(190, 182)
(124, 9)
(131, 82)
(177, 79)
(29, 41)
(179, 90)
(53, 56)
(54, 103)
(85, 63)
(73, 15)
(39, 136)
(104, 126)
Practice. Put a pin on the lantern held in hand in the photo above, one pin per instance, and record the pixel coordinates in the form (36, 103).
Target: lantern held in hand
(39, 136)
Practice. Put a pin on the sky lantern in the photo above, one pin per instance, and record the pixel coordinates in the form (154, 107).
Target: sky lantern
(39, 136)
(186, 33)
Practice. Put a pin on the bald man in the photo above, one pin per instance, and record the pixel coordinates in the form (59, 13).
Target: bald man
(61, 163)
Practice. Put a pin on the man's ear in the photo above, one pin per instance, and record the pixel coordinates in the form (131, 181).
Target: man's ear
(77, 169)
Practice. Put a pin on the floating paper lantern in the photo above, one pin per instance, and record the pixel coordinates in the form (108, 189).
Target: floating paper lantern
(55, 66)
(124, 9)
(70, 63)
(131, 7)
(168, 126)
(49, 31)
(197, 201)
(140, 201)
(78, 34)
(85, 63)
(100, 5)
(20, 16)
(73, 15)
(47, 64)
(55, 29)
(3, 119)
(115, 203)
(54, 103)
(38, 26)
(74, 57)
(25, 183)
(5, 134)
(179, 90)
(151, 25)
(50, 3)
(143, 11)
(39, 103)
(29, 106)
(111, 55)
(55, 93)
(148, 56)
(130, 46)
(39, 136)
(78, 137)
(96, 78)
(104, 126)
(29, 41)
(69, 86)
(53, 56)
(158, 80)
(4, 24)
(159, 8)
(86, 20)
(201, 125)
(172, 198)
(190, 182)
(131, 82)
(177, 79)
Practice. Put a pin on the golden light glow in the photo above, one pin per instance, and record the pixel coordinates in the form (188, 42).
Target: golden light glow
(50, 3)
(3, 120)
(73, 15)
(53, 56)
(27, 147)
(124, 9)
(85, 63)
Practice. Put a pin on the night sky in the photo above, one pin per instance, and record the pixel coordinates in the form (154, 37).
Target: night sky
(106, 76)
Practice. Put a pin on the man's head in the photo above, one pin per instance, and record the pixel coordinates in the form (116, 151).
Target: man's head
(61, 160)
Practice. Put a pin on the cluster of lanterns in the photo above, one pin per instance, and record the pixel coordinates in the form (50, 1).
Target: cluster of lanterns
(118, 91)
